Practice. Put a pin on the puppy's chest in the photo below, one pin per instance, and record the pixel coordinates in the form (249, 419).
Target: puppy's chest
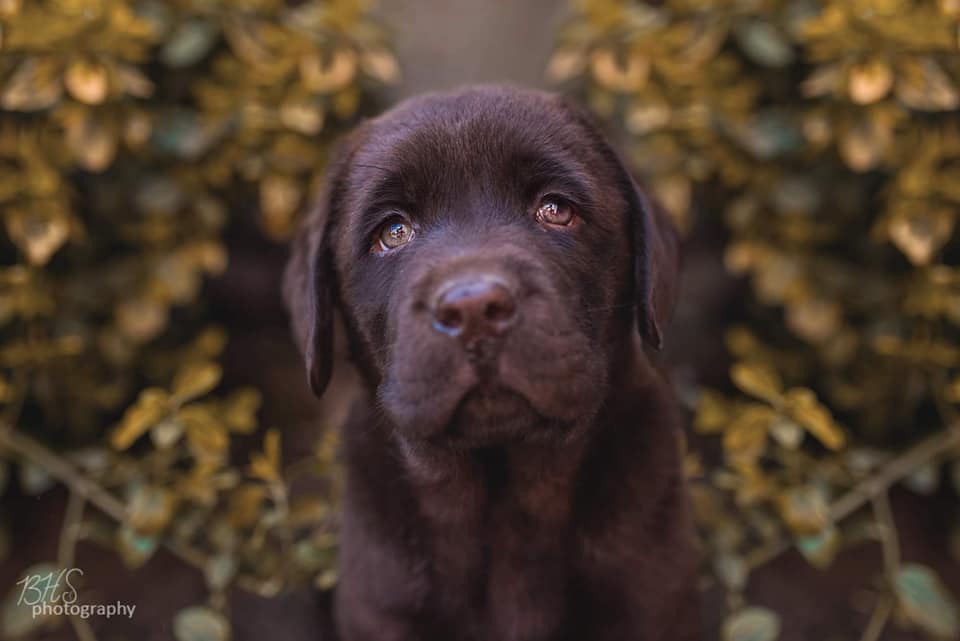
(500, 556)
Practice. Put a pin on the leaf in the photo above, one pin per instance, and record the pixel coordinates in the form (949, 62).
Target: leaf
(279, 199)
(764, 44)
(627, 75)
(35, 85)
(814, 319)
(770, 134)
(869, 82)
(802, 405)
(644, 117)
(714, 413)
(92, 141)
(745, 440)
(219, 571)
(752, 624)
(151, 406)
(926, 602)
(786, 432)
(863, 145)
(266, 466)
(198, 623)
(336, 74)
(245, 504)
(239, 410)
(732, 571)
(195, 379)
(135, 548)
(39, 236)
(820, 549)
(206, 436)
(380, 64)
(182, 133)
(87, 81)
(141, 318)
(304, 115)
(823, 80)
(566, 64)
(189, 43)
(149, 508)
(924, 480)
(345, 102)
(919, 236)
(922, 85)
(166, 433)
(34, 479)
(804, 509)
(757, 379)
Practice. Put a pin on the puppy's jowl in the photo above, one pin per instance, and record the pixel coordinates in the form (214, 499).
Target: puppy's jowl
(512, 467)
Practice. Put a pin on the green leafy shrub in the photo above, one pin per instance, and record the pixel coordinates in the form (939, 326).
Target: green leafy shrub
(132, 132)
(826, 135)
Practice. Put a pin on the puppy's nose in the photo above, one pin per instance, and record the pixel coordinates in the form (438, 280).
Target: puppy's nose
(474, 308)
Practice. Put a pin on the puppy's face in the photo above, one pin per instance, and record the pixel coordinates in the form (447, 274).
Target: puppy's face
(488, 251)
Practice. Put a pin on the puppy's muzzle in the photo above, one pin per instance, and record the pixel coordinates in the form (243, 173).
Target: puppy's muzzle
(477, 310)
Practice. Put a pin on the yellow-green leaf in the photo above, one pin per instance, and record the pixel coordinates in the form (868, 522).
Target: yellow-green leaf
(135, 548)
(239, 410)
(752, 624)
(757, 379)
(820, 549)
(804, 509)
(206, 436)
(266, 466)
(802, 405)
(151, 406)
(196, 379)
(198, 623)
(926, 602)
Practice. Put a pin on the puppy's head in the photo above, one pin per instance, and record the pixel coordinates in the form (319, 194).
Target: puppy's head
(491, 255)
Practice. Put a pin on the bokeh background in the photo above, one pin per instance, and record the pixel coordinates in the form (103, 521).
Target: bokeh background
(156, 429)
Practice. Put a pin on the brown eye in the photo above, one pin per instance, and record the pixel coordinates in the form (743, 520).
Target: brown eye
(394, 233)
(555, 211)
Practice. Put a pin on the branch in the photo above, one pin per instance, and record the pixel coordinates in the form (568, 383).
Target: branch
(895, 470)
(878, 619)
(70, 530)
(63, 471)
(84, 488)
(889, 540)
(864, 492)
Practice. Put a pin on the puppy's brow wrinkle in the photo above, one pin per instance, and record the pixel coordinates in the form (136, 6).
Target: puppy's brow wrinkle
(369, 166)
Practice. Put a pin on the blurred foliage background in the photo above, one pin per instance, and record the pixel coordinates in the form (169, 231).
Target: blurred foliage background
(132, 134)
(826, 137)
(819, 140)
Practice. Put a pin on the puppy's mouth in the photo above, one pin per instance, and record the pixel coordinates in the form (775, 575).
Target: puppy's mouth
(491, 414)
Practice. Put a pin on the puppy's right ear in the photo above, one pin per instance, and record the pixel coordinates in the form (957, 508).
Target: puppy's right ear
(309, 277)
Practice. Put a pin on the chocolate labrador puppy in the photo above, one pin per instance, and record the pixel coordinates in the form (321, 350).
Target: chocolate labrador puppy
(513, 470)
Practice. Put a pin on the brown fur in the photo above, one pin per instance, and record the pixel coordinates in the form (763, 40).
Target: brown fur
(538, 497)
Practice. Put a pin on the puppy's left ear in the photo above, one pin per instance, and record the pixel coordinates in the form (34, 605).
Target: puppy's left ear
(656, 257)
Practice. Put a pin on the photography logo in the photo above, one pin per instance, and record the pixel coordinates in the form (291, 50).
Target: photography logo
(55, 594)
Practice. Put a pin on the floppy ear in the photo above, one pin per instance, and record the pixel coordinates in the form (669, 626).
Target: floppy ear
(656, 259)
(309, 277)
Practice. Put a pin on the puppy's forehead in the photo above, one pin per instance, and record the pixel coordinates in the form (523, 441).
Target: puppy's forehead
(469, 140)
